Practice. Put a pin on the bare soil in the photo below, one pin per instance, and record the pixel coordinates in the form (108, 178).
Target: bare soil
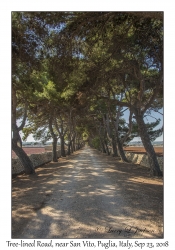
(87, 195)
(30, 151)
(141, 150)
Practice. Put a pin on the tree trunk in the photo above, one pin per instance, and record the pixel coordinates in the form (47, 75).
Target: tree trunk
(111, 136)
(106, 146)
(78, 144)
(121, 151)
(71, 147)
(54, 149)
(16, 140)
(103, 147)
(55, 139)
(154, 165)
(114, 148)
(23, 157)
(68, 149)
(63, 154)
(119, 144)
(73, 144)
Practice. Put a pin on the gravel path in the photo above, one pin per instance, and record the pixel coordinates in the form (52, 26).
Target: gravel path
(93, 196)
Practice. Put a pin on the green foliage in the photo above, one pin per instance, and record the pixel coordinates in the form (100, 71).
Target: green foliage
(96, 142)
(62, 62)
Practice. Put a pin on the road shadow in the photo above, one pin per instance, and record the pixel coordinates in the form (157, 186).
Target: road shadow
(87, 195)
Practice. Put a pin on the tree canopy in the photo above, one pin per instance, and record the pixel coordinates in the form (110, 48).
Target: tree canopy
(73, 74)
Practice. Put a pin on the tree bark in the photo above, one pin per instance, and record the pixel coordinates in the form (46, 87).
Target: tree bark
(103, 147)
(129, 129)
(78, 143)
(114, 147)
(63, 154)
(101, 139)
(154, 165)
(71, 147)
(116, 125)
(111, 135)
(54, 149)
(16, 140)
(99, 129)
(68, 148)
(23, 157)
(73, 144)
(54, 143)
(121, 151)
(106, 146)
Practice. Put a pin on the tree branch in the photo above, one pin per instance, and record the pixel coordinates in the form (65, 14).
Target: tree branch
(155, 92)
(24, 117)
(57, 128)
(130, 128)
(119, 103)
(158, 112)
(50, 127)
(152, 117)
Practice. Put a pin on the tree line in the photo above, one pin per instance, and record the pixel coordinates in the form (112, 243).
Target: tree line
(74, 74)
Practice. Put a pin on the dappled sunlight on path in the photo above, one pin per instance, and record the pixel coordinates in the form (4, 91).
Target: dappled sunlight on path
(88, 195)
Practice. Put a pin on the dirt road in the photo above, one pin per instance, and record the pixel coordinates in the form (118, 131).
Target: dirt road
(87, 195)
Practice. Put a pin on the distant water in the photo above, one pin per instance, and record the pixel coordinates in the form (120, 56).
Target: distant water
(139, 143)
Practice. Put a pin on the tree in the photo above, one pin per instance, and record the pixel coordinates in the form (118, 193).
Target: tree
(115, 58)
(133, 49)
(25, 51)
(16, 139)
